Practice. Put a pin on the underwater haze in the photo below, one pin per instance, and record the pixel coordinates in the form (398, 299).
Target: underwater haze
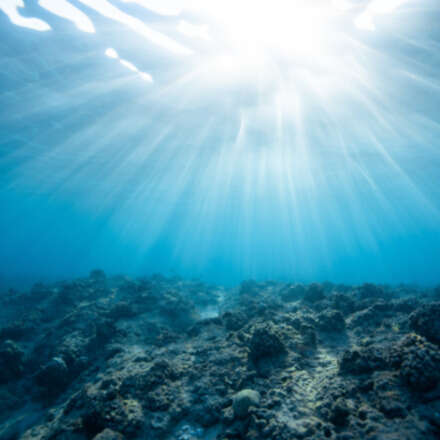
(220, 140)
(219, 219)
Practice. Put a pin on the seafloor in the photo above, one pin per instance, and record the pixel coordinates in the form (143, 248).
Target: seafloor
(164, 358)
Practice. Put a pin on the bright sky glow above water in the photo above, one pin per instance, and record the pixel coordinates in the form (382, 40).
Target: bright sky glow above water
(257, 139)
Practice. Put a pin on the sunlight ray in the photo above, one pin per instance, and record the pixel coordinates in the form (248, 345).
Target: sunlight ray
(65, 9)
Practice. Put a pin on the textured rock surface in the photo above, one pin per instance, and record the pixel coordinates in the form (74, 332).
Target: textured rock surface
(243, 400)
(426, 322)
(113, 358)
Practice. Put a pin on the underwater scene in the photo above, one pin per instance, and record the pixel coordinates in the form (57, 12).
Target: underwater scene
(219, 220)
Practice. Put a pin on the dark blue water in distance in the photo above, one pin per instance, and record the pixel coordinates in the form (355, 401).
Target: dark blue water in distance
(192, 139)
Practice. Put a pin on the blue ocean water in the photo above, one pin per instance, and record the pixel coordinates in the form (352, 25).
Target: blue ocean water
(192, 138)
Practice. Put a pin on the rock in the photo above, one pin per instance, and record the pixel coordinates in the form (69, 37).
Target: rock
(98, 275)
(426, 322)
(309, 337)
(17, 330)
(420, 368)
(8, 401)
(362, 360)
(121, 310)
(343, 303)
(159, 399)
(189, 432)
(209, 411)
(265, 342)
(11, 362)
(227, 416)
(138, 384)
(293, 293)
(339, 412)
(132, 359)
(243, 400)
(54, 376)
(179, 311)
(234, 321)
(100, 411)
(67, 296)
(105, 331)
(161, 422)
(314, 293)
(369, 290)
(392, 407)
(108, 434)
(331, 321)
(202, 325)
(405, 305)
(365, 319)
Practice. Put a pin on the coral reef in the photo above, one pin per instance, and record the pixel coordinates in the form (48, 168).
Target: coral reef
(114, 358)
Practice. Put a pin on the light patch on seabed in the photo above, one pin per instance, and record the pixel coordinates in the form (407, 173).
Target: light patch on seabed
(187, 430)
(209, 312)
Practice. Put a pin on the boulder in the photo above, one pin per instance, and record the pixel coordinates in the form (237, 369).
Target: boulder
(108, 434)
(426, 322)
(243, 400)
(265, 342)
(11, 361)
(363, 360)
(53, 376)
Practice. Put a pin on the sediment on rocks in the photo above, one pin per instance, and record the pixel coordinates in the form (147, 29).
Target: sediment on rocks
(112, 358)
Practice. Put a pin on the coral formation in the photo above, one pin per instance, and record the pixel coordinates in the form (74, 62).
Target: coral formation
(113, 358)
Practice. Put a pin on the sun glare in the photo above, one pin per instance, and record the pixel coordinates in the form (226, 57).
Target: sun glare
(289, 26)
(272, 46)
(268, 40)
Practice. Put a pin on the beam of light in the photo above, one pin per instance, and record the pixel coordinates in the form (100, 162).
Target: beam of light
(289, 128)
(129, 65)
(252, 41)
(170, 7)
(108, 10)
(256, 26)
(10, 8)
(66, 10)
(111, 53)
(377, 7)
(343, 5)
(146, 76)
(193, 30)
